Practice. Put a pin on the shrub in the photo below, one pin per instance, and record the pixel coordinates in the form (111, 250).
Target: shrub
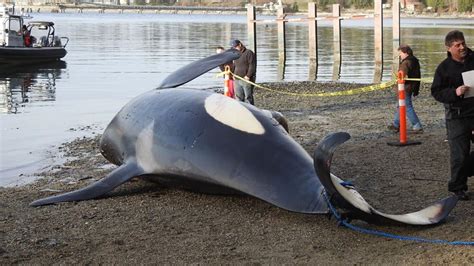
(465, 5)
(362, 3)
(436, 4)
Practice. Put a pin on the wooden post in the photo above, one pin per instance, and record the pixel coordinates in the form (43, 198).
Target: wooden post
(336, 13)
(395, 34)
(251, 29)
(281, 43)
(378, 40)
(312, 41)
(227, 32)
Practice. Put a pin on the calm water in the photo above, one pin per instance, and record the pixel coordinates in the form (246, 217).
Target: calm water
(115, 57)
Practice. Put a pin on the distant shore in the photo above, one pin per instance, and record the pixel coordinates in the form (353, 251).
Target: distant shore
(220, 10)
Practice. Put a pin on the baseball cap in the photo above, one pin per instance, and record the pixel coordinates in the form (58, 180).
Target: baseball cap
(234, 43)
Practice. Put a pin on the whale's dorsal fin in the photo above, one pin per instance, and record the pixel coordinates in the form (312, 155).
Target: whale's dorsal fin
(346, 197)
(117, 177)
(197, 68)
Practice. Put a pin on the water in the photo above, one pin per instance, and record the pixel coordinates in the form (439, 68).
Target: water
(115, 57)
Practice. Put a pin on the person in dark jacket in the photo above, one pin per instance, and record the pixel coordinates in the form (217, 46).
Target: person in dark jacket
(410, 66)
(26, 36)
(245, 67)
(448, 88)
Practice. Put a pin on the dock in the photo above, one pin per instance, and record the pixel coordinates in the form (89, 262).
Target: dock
(150, 9)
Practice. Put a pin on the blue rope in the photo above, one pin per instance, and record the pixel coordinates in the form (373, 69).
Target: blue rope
(343, 222)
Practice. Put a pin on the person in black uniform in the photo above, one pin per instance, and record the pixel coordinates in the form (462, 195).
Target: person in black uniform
(448, 88)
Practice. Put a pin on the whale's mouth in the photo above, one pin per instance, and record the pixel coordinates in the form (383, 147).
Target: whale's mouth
(110, 147)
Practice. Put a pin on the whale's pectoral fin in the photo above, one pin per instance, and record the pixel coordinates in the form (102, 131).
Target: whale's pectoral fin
(279, 118)
(197, 68)
(344, 195)
(117, 177)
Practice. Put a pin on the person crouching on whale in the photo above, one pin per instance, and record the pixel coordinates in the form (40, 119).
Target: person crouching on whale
(245, 67)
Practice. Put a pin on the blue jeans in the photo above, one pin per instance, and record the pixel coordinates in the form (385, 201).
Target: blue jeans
(243, 91)
(414, 120)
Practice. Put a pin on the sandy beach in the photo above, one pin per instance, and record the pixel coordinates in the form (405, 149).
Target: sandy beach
(142, 222)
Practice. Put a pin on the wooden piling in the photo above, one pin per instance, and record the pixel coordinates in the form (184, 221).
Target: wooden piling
(312, 41)
(336, 17)
(281, 43)
(251, 29)
(336, 13)
(395, 34)
(378, 40)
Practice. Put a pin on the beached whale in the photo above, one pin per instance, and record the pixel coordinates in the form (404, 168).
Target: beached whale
(207, 142)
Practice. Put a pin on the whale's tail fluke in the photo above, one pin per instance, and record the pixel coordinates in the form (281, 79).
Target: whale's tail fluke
(346, 197)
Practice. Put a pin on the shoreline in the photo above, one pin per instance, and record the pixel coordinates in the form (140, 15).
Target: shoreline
(202, 10)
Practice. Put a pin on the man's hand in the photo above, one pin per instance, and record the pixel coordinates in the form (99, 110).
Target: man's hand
(461, 90)
(247, 78)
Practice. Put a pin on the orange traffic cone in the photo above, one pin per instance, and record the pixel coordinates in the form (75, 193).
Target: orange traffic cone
(402, 112)
(228, 83)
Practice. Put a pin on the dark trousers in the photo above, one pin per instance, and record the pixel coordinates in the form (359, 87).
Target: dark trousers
(459, 137)
(244, 91)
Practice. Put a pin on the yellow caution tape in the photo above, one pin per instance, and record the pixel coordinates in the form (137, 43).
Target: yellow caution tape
(375, 87)
(426, 80)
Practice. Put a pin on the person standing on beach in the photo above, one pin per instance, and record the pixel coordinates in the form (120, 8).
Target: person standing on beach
(448, 88)
(245, 67)
(410, 66)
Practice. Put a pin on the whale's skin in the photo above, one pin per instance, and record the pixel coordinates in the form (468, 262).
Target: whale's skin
(171, 136)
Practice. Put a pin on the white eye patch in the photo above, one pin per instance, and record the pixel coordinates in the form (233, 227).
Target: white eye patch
(233, 114)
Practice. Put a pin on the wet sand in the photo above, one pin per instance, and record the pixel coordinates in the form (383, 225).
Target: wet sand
(141, 222)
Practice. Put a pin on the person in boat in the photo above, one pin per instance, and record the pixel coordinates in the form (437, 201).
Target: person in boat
(26, 36)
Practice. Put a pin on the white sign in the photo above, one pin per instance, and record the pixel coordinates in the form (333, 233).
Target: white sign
(468, 78)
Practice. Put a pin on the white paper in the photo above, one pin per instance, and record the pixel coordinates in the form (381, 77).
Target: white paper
(468, 78)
